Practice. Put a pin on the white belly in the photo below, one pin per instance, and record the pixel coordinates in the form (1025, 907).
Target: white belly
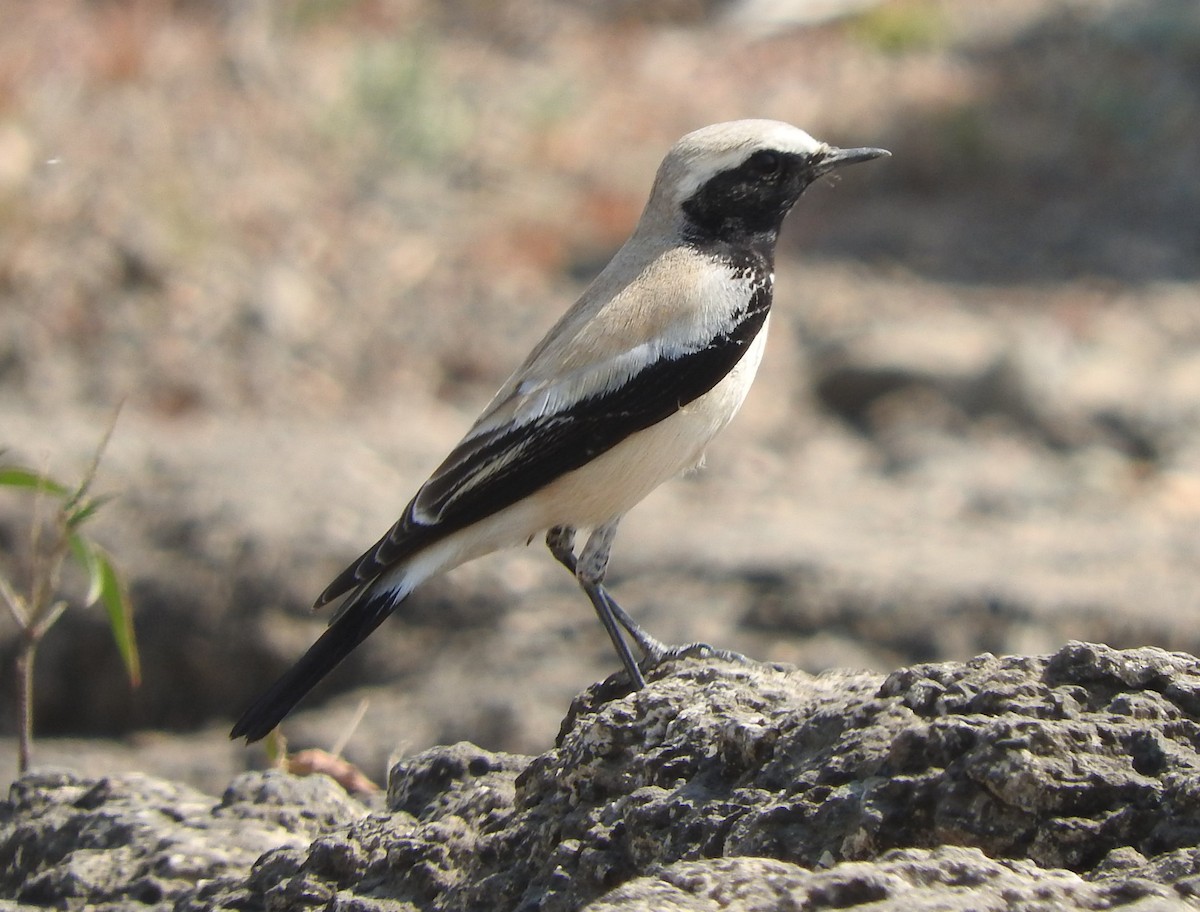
(620, 478)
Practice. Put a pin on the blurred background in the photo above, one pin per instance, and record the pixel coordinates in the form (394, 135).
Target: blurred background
(304, 243)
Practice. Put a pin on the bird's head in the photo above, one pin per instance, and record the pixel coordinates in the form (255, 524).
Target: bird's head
(736, 181)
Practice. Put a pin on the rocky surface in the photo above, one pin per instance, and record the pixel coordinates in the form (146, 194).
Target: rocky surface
(1039, 783)
(136, 841)
(304, 243)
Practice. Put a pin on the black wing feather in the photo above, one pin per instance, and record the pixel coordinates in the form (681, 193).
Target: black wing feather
(553, 445)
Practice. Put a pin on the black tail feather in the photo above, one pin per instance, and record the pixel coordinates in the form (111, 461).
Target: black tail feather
(366, 611)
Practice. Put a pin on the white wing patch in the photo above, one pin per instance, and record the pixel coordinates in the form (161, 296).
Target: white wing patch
(722, 300)
(727, 299)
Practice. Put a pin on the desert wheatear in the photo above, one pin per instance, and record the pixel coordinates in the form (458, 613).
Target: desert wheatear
(625, 391)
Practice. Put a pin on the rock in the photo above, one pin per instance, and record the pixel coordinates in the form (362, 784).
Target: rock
(74, 842)
(946, 879)
(1061, 781)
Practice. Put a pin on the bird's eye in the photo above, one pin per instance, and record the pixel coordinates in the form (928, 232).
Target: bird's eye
(765, 164)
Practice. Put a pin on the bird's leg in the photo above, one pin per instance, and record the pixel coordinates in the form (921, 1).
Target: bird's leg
(656, 652)
(589, 570)
(561, 542)
(592, 566)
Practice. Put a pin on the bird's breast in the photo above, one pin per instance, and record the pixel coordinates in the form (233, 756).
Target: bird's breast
(615, 481)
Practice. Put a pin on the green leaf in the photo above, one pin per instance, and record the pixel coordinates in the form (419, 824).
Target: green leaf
(89, 560)
(105, 585)
(84, 511)
(19, 477)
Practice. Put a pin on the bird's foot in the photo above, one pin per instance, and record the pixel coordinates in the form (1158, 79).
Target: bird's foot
(690, 651)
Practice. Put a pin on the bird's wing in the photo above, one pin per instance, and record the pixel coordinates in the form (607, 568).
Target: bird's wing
(557, 413)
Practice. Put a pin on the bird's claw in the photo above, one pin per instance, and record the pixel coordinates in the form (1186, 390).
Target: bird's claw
(663, 653)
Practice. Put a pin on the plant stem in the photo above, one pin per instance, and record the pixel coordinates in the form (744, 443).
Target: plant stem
(25, 657)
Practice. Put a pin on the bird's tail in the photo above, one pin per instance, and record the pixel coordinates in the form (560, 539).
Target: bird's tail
(366, 610)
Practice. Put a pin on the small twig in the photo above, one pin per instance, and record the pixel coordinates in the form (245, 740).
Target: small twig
(15, 603)
(277, 748)
(38, 577)
(351, 728)
(39, 629)
(24, 665)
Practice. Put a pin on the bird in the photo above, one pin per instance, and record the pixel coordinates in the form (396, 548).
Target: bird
(624, 392)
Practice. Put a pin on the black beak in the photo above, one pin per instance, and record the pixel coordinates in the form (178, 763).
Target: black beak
(833, 157)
